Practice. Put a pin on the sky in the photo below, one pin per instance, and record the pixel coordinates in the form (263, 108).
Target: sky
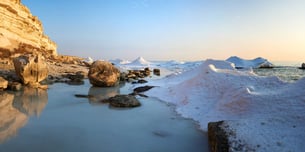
(175, 29)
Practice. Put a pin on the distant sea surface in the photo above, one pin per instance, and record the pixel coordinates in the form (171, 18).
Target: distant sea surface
(286, 71)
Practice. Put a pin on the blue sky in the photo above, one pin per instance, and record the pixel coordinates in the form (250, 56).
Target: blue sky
(175, 29)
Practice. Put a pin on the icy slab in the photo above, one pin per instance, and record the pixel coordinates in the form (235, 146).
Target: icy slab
(215, 91)
(255, 63)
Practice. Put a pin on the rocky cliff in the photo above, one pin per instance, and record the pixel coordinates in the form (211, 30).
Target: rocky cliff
(21, 32)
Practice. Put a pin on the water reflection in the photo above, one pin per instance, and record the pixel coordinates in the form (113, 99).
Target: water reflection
(15, 109)
(100, 93)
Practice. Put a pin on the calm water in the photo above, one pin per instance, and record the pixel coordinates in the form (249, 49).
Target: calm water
(56, 121)
(285, 73)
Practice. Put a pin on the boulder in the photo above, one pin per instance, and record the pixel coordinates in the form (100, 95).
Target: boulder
(103, 74)
(31, 69)
(123, 101)
(303, 66)
(3, 83)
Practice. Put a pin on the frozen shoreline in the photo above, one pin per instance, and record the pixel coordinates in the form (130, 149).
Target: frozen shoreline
(266, 113)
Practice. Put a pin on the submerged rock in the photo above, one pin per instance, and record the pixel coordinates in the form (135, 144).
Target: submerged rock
(83, 96)
(103, 74)
(31, 69)
(123, 101)
(142, 89)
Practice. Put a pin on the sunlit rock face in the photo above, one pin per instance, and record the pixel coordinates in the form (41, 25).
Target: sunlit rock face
(103, 74)
(31, 69)
(21, 32)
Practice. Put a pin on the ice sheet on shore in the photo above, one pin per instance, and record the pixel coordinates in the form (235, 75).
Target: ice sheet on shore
(255, 63)
(215, 91)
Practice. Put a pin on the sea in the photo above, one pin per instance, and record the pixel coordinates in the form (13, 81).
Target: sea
(54, 120)
(286, 71)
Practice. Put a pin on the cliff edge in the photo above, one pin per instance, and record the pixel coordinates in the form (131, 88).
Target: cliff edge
(21, 32)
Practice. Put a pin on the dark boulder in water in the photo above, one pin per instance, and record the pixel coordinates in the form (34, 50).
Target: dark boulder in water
(142, 89)
(123, 101)
(302, 66)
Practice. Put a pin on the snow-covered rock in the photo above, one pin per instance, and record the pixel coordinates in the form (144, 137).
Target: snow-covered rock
(255, 63)
(89, 60)
(140, 61)
(265, 112)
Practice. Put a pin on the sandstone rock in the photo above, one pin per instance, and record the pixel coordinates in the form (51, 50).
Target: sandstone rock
(66, 59)
(123, 101)
(31, 69)
(103, 74)
(21, 32)
(3, 83)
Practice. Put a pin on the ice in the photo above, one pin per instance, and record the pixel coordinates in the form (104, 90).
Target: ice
(215, 91)
(255, 63)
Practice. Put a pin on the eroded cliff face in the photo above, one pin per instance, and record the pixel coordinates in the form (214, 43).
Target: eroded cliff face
(21, 32)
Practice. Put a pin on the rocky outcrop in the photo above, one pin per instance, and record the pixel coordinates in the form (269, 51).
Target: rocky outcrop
(103, 74)
(21, 32)
(31, 69)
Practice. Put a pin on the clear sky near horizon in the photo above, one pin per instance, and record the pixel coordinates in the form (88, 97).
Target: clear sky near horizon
(175, 29)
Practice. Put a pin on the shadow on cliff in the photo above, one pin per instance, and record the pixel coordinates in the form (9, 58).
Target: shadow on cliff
(15, 110)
